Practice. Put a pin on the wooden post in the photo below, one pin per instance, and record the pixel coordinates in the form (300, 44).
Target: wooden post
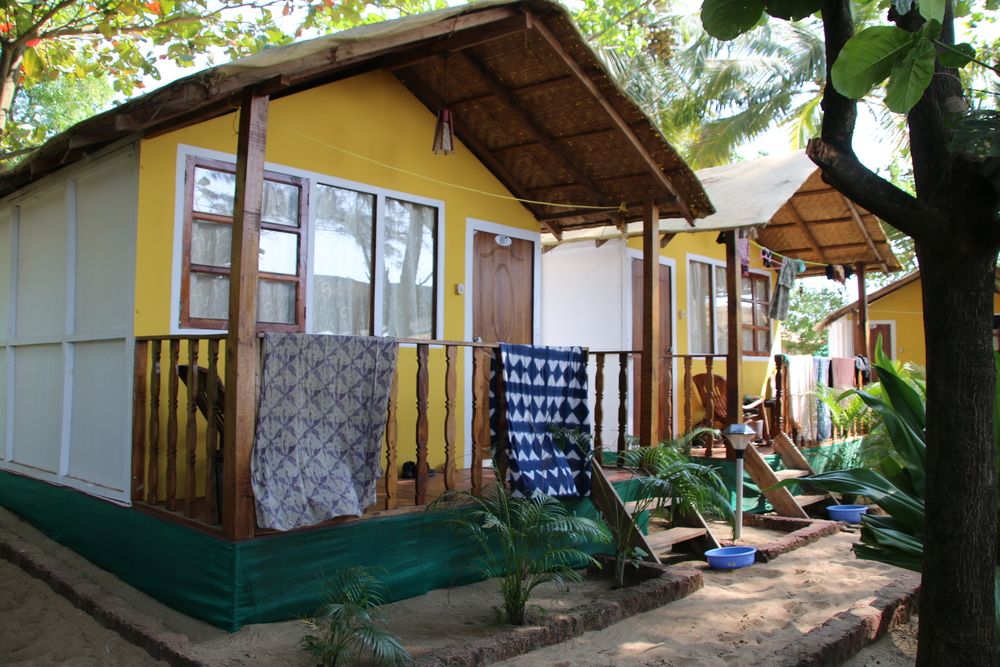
(779, 393)
(423, 389)
(450, 391)
(649, 399)
(599, 407)
(153, 474)
(622, 404)
(734, 351)
(242, 360)
(191, 433)
(139, 421)
(862, 333)
(392, 443)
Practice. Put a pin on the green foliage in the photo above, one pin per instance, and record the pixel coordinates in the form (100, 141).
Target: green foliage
(524, 542)
(351, 625)
(808, 306)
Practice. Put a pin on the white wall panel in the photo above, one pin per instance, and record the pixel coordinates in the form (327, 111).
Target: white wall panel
(100, 414)
(4, 272)
(105, 213)
(38, 387)
(41, 258)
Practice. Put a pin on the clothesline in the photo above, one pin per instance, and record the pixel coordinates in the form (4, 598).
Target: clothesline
(778, 254)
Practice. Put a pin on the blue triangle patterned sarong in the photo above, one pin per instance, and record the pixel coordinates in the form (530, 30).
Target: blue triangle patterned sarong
(545, 387)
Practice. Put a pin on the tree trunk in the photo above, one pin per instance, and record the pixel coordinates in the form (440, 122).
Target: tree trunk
(956, 599)
(10, 66)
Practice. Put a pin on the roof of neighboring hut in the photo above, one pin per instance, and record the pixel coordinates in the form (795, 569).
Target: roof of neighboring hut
(528, 96)
(871, 298)
(796, 214)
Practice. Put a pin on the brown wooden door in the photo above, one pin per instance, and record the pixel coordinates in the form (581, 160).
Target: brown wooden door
(666, 339)
(883, 329)
(502, 300)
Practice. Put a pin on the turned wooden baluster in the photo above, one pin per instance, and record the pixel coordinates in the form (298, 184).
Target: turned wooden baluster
(687, 394)
(153, 475)
(139, 420)
(599, 407)
(779, 393)
(668, 395)
(423, 388)
(710, 408)
(450, 389)
(622, 404)
(191, 433)
(392, 446)
(212, 435)
(172, 388)
(480, 411)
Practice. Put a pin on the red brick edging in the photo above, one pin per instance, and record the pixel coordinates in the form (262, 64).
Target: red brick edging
(800, 533)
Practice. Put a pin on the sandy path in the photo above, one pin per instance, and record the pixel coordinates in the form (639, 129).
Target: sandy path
(40, 627)
(742, 617)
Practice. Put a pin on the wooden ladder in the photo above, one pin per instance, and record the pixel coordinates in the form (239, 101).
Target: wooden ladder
(795, 466)
(693, 531)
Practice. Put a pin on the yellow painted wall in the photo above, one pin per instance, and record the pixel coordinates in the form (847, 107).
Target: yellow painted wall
(755, 371)
(372, 115)
(904, 307)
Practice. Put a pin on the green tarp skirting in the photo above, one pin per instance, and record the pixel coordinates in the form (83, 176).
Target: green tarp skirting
(278, 577)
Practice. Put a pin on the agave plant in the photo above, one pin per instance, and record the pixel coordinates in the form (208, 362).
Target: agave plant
(351, 624)
(525, 542)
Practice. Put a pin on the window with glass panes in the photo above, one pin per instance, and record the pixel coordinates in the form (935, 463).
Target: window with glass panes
(208, 232)
(708, 324)
(755, 305)
(373, 267)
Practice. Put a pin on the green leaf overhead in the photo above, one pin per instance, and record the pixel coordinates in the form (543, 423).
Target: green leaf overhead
(792, 10)
(867, 59)
(932, 10)
(727, 19)
(957, 56)
(910, 76)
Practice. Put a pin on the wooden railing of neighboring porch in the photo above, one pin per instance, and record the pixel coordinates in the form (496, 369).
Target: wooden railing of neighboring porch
(629, 363)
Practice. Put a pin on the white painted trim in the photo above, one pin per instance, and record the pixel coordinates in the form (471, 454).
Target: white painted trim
(66, 428)
(71, 230)
(8, 434)
(473, 225)
(630, 254)
(15, 225)
(184, 151)
(109, 493)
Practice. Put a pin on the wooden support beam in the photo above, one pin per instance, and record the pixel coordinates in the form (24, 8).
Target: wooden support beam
(734, 351)
(666, 239)
(527, 123)
(804, 228)
(481, 35)
(862, 333)
(856, 216)
(649, 399)
(547, 249)
(616, 118)
(242, 359)
(599, 242)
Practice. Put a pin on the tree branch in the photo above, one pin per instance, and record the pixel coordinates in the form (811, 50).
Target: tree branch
(839, 113)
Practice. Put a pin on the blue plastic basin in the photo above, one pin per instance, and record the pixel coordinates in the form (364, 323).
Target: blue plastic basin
(848, 513)
(730, 558)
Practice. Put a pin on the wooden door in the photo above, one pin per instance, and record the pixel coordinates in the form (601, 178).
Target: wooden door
(502, 302)
(666, 340)
(883, 329)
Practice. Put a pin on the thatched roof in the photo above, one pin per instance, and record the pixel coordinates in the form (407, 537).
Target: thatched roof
(795, 213)
(529, 98)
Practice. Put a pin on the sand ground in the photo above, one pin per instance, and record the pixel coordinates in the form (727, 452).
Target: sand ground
(742, 617)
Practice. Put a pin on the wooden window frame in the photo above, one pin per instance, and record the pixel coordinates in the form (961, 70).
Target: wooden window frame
(300, 231)
(755, 326)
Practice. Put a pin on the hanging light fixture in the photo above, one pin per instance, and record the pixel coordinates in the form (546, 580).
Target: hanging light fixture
(444, 133)
(444, 130)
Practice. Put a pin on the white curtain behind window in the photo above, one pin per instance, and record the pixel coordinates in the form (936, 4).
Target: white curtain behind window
(699, 309)
(408, 301)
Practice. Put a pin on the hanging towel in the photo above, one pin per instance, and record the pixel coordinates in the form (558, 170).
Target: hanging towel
(743, 250)
(783, 290)
(802, 393)
(842, 372)
(545, 387)
(824, 421)
(320, 422)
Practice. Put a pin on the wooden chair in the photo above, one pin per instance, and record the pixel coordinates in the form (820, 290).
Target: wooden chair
(753, 410)
(201, 401)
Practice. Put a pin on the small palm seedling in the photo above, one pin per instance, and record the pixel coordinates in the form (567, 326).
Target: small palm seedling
(351, 623)
(524, 542)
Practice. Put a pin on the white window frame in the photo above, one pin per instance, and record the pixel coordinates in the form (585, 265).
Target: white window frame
(314, 178)
(715, 263)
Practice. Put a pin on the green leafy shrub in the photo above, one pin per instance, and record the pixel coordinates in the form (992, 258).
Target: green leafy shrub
(350, 624)
(524, 542)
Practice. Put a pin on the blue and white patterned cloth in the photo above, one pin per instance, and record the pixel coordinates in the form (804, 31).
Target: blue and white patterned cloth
(320, 422)
(545, 387)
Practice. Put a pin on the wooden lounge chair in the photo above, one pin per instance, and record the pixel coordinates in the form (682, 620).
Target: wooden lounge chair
(753, 410)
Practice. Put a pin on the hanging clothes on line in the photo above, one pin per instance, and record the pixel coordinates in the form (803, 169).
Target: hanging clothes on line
(783, 289)
(743, 250)
(769, 260)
